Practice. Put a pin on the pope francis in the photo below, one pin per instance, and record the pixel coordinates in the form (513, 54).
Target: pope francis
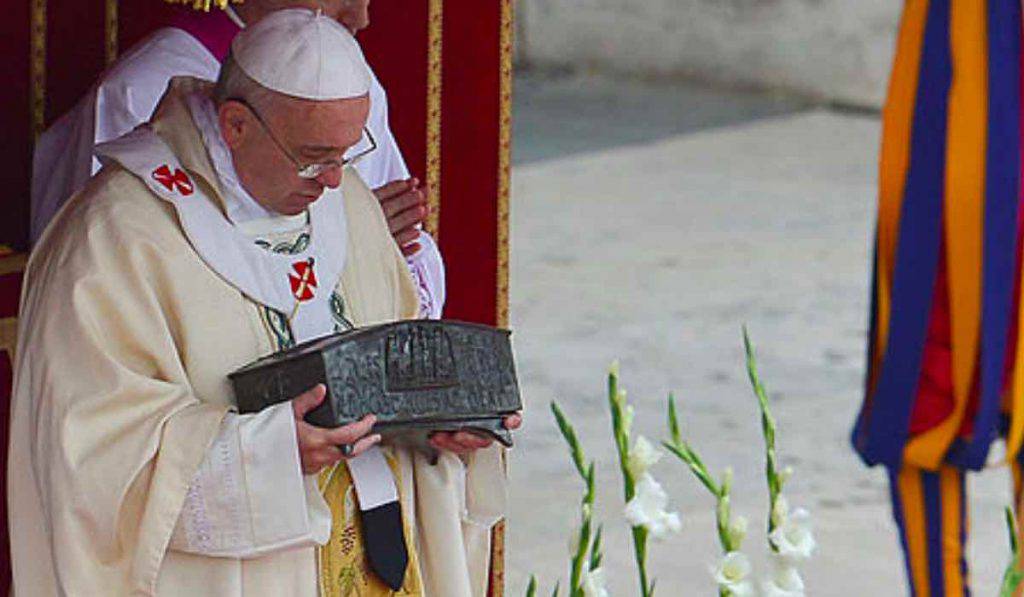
(230, 226)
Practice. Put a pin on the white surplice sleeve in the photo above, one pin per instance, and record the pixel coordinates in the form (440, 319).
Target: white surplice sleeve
(427, 271)
(250, 498)
(384, 165)
(125, 97)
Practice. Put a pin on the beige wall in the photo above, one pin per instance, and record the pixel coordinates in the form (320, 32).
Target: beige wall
(837, 50)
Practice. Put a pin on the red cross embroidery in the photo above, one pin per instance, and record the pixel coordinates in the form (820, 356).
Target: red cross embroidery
(177, 180)
(303, 280)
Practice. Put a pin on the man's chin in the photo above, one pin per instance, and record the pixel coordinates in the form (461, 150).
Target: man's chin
(297, 204)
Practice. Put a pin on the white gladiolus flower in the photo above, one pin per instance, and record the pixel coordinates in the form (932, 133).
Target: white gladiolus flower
(785, 474)
(738, 529)
(733, 574)
(627, 418)
(785, 581)
(574, 540)
(642, 457)
(647, 509)
(793, 539)
(594, 583)
(780, 512)
(727, 479)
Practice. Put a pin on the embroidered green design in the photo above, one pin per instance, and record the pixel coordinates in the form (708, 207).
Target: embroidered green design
(347, 582)
(277, 323)
(293, 247)
(341, 321)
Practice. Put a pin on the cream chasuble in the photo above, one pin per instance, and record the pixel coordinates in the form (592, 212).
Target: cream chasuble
(126, 95)
(126, 338)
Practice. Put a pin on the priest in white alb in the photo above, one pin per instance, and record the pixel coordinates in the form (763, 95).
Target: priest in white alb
(194, 44)
(230, 226)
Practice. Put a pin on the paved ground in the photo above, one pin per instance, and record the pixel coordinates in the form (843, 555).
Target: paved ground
(648, 225)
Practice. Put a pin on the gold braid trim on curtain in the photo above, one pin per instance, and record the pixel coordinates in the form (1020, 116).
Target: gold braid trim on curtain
(110, 27)
(37, 67)
(204, 4)
(504, 157)
(435, 14)
(497, 581)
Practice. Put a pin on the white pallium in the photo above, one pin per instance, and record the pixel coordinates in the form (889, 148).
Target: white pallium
(647, 509)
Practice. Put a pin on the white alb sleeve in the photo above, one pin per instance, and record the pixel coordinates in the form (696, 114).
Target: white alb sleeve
(250, 498)
(427, 270)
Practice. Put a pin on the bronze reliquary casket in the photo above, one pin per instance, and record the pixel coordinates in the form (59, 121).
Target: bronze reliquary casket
(416, 376)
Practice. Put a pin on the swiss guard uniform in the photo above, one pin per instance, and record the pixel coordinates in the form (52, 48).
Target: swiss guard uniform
(945, 365)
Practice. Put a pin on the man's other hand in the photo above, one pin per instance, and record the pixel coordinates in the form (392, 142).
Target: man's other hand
(405, 206)
(464, 442)
(320, 447)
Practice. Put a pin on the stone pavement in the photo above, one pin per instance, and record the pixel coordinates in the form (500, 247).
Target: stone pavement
(654, 247)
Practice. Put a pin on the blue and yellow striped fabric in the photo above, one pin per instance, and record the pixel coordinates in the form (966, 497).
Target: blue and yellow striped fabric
(930, 512)
(949, 181)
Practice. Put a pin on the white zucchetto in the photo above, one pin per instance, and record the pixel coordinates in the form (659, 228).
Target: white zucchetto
(302, 53)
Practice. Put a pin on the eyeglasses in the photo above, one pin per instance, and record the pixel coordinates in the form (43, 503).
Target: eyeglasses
(310, 171)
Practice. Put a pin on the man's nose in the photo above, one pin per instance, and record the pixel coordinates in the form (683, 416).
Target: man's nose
(330, 178)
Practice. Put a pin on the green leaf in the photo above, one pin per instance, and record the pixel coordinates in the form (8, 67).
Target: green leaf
(569, 433)
(1013, 576)
(683, 452)
(595, 549)
(531, 589)
(557, 589)
(673, 420)
(768, 429)
(591, 486)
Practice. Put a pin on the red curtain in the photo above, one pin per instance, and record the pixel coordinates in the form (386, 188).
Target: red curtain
(471, 116)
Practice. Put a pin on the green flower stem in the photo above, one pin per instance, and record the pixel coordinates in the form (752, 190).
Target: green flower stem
(768, 428)
(617, 406)
(720, 491)
(1013, 576)
(586, 472)
(531, 589)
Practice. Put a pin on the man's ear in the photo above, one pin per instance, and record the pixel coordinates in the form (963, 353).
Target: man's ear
(234, 123)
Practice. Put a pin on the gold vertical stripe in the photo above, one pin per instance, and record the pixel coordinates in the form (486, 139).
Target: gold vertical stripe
(497, 582)
(894, 160)
(435, 14)
(110, 26)
(37, 67)
(952, 549)
(504, 159)
(911, 496)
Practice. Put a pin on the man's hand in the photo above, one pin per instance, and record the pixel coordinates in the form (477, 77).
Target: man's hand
(464, 442)
(405, 206)
(319, 447)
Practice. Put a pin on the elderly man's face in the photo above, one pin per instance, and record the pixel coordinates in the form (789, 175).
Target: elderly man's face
(309, 132)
